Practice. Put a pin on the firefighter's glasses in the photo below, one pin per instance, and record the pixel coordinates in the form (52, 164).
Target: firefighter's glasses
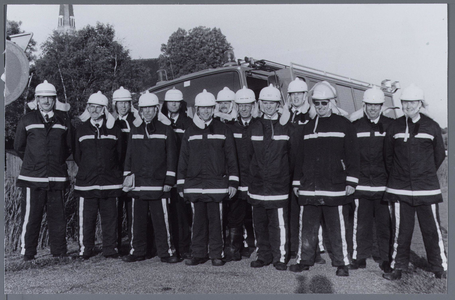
(323, 103)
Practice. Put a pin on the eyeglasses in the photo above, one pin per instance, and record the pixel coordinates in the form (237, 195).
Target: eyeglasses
(323, 103)
(95, 107)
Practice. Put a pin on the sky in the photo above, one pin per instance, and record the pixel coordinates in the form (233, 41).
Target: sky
(368, 42)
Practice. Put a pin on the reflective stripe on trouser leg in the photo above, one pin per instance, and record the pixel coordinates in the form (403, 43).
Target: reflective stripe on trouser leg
(320, 239)
(166, 222)
(26, 219)
(440, 241)
(132, 226)
(354, 231)
(282, 226)
(81, 226)
(344, 244)
(192, 221)
(395, 233)
(221, 222)
(299, 251)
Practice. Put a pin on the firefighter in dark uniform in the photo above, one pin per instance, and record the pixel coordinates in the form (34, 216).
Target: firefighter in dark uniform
(300, 115)
(99, 154)
(326, 175)
(207, 174)
(122, 103)
(238, 210)
(371, 127)
(270, 180)
(43, 141)
(152, 159)
(414, 150)
(175, 109)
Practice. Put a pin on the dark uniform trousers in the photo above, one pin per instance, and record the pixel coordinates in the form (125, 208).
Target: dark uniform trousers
(88, 212)
(249, 240)
(235, 210)
(429, 221)
(34, 200)
(123, 201)
(367, 212)
(335, 225)
(207, 223)
(160, 221)
(271, 226)
(180, 219)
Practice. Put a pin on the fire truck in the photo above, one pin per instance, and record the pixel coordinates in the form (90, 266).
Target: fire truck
(257, 74)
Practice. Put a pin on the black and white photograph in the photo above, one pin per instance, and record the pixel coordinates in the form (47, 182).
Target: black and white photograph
(218, 149)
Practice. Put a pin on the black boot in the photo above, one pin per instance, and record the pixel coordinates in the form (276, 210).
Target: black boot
(394, 275)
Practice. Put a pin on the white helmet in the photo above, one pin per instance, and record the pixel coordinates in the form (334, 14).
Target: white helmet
(98, 98)
(245, 95)
(373, 95)
(270, 93)
(173, 95)
(323, 91)
(148, 99)
(205, 99)
(412, 93)
(121, 95)
(225, 95)
(45, 89)
(297, 85)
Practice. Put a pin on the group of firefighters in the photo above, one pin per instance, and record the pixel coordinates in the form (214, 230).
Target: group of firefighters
(290, 178)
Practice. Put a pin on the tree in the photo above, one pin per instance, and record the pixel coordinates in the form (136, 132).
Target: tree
(13, 27)
(187, 52)
(85, 62)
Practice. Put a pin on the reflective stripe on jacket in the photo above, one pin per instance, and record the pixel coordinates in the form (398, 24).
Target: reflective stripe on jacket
(207, 163)
(44, 148)
(412, 160)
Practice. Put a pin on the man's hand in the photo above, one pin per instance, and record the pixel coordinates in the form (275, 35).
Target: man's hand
(296, 191)
(167, 188)
(349, 190)
(232, 191)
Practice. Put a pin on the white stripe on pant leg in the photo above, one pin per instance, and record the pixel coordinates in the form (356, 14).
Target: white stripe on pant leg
(254, 230)
(282, 235)
(81, 226)
(354, 231)
(192, 223)
(396, 233)
(320, 238)
(222, 227)
(166, 222)
(299, 250)
(245, 234)
(26, 219)
(440, 242)
(132, 226)
(344, 244)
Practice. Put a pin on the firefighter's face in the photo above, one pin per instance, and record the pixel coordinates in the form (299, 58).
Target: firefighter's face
(373, 110)
(123, 107)
(411, 108)
(46, 103)
(149, 112)
(322, 108)
(224, 106)
(96, 111)
(205, 112)
(298, 99)
(245, 110)
(173, 106)
(270, 107)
